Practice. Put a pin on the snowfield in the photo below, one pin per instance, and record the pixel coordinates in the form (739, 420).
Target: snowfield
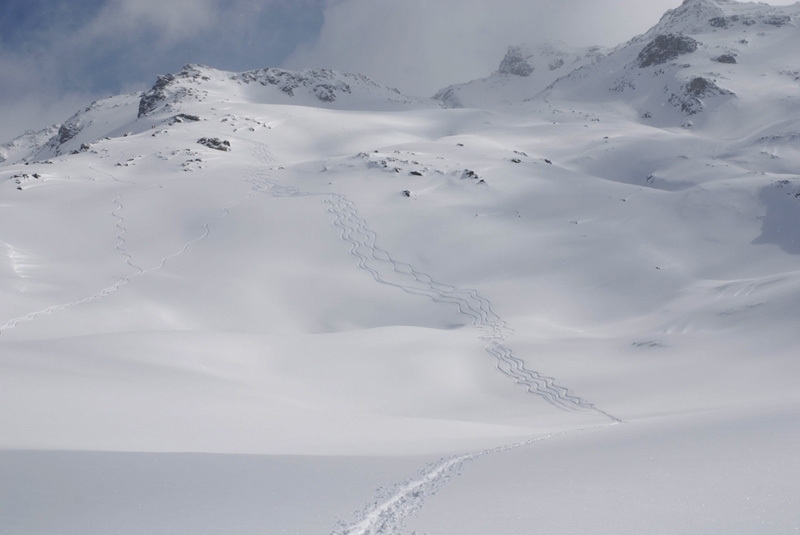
(371, 314)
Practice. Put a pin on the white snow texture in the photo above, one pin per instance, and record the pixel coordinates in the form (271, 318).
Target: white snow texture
(561, 299)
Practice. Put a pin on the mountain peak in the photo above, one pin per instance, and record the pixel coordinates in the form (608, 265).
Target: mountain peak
(525, 70)
(698, 16)
(310, 87)
(691, 16)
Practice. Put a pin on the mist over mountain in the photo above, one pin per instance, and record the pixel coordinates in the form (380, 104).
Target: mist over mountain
(562, 297)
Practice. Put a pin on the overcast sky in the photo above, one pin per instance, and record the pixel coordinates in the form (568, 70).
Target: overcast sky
(58, 55)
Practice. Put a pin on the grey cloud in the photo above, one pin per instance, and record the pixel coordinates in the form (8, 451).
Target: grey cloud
(421, 46)
(95, 48)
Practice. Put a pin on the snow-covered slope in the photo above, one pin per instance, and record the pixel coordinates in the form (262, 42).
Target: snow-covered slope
(135, 113)
(240, 310)
(727, 64)
(28, 143)
(524, 72)
(316, 87)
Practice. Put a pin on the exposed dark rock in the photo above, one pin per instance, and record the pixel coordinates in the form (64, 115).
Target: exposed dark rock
(723, 22)
(698, 87)
(407, 193)
(515, 63)
(415, 173)
(718, 22)
(449, 97)
(157, 94)
(665, 48)
(68, 131)
(215, 143)
(326, 85)
(690, 102)
(325, 92)
(726, 58)
(184, 117)
(778, 20)
(83, 148)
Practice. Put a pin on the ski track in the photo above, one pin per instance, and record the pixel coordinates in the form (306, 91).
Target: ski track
(386, 516)
(120, 248)
(384, 269)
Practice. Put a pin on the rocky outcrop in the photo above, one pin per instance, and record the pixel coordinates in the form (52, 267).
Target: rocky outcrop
(699, 88)
(515, 63)
(215, 143)
(449, 97)
(778, 20)
(156, 95)
(324, 84)
(726, 58)
(665, 48)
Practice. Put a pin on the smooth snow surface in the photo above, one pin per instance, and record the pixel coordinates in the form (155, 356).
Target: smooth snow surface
(548, 316)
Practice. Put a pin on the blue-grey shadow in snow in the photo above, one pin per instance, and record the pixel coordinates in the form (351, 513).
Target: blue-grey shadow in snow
(781, 224)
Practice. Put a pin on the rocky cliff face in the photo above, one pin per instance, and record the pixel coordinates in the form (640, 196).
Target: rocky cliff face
(665, 48)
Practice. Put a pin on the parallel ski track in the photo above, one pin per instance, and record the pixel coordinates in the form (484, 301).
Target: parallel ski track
(386, 270)
(386, 516)
(120, 247)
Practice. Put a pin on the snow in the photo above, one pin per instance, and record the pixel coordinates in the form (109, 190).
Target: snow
(577, 320)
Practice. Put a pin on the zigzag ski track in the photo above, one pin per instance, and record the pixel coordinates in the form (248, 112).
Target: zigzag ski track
(388, 513)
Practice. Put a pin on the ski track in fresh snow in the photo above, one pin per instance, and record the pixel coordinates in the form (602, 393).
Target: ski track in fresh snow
(120, 247)
(388, 513)
(386, 270)
(386, 516)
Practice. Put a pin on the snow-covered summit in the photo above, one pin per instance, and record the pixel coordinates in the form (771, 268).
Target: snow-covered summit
(524, 71)
(700, 16)
(18, 148)
(322, 88)
(218, 291)
(702, 56)
(173, 95)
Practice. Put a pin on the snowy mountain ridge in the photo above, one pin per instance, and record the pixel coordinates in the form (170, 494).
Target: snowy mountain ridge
(709, 61)
(312, 87)
(698, 16)
(115, 117)
(299, 302)
(26, 144)
(524, 72)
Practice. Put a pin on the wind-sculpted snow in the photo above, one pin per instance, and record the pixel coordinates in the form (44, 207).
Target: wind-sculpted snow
(120, 247)
(385, 269)
(388, 513)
